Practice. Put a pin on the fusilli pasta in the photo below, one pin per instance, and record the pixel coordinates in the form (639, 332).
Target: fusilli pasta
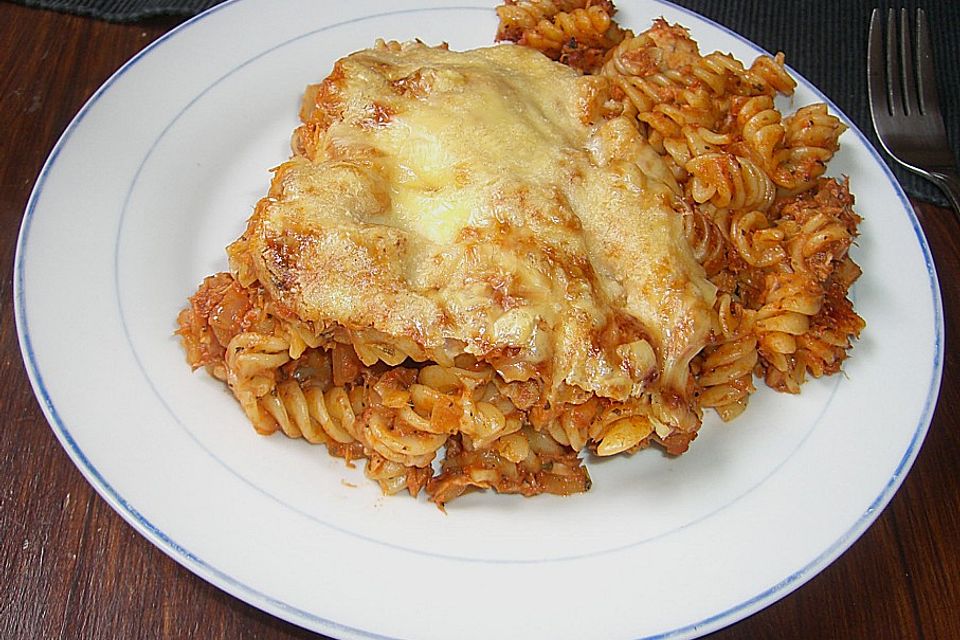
(771, 233)
(738, 160)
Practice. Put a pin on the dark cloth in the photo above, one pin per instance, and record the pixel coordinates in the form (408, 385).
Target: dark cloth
(124, 10)
(824, 40)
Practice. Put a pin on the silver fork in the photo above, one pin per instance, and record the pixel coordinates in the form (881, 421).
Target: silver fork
(904, 102)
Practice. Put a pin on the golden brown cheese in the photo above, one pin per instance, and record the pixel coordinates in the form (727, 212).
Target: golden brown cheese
(480, 202)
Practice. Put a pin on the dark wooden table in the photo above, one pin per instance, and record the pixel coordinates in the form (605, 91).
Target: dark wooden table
(71, 568)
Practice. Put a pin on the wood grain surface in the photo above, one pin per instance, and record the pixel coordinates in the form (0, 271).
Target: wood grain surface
(72, 568)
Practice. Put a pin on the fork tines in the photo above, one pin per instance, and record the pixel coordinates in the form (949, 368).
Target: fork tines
(907, 91)
(903, 99)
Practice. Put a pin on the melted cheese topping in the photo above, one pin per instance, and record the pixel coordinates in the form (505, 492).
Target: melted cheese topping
(480, 202)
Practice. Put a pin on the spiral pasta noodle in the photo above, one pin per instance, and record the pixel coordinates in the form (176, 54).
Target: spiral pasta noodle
(728, 182)
(726, 369)
(576, 32)
(811, 139)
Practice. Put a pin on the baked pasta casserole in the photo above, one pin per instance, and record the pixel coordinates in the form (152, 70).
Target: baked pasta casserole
(479, 266)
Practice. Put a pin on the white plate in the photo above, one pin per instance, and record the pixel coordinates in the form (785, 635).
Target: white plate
(159, 171)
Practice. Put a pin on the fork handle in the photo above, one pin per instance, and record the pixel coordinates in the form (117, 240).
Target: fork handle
(949, 182)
